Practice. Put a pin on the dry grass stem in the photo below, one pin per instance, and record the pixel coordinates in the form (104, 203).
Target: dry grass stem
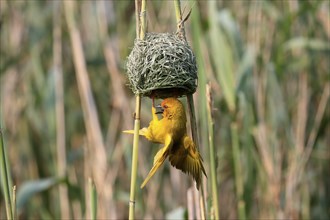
(59, 108)
(94, 134)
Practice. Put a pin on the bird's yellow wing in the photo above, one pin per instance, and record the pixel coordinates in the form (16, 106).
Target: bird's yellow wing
(159, 158)
(185, 156)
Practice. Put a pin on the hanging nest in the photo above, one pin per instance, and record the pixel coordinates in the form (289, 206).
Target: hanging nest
(162, 65)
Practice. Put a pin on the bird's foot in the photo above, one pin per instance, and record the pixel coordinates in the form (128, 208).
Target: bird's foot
(153, 100)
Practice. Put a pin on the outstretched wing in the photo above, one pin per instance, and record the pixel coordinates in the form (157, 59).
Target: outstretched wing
(185, 156)
(159, 158)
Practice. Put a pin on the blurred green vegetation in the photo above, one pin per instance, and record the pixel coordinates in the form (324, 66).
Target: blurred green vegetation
(268, 65)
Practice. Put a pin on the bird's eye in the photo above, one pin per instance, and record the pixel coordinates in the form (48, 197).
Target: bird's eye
(165, 106)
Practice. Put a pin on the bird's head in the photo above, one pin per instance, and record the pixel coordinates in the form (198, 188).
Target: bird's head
(172, 108)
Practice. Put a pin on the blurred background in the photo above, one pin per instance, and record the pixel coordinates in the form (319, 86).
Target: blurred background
(65, 102)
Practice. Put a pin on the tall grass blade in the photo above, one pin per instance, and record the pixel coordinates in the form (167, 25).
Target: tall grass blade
(238, 171)
(59, 109)
(93, 199)
(215, 205)
(14, 208)
(223, 57)
(199, 47)
(30, 188)
(193, 122)
(88, 104)
(4, 176)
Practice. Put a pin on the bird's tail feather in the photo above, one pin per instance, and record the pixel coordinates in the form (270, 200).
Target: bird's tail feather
(152, 172)
(158, 161)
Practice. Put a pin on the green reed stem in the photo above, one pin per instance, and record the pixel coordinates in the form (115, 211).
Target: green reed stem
(180, 29)
(143, 22)
(5, 179)
(93, 198)
(178, 15)
(135, 157)
(177, 7)
(212, 153)
(14, 209)
(141, 35)
(238, 171)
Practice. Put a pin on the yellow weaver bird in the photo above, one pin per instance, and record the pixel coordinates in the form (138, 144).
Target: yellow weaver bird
(178, 147)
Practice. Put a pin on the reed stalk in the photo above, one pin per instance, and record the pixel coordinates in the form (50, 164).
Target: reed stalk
(14, 209)
(90, 113)
(194, 133)
(135, 157)
(93, 199)
(143, 22)
(238, 171)
(178, 15)
(59, 109)
(141, 35)
(212, 153)
(190, 99)
(4, 177)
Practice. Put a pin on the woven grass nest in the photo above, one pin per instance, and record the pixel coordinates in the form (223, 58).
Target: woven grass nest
(162, 65)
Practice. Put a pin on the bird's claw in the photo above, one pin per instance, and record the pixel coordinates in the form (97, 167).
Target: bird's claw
(153, 109)
(153, 100)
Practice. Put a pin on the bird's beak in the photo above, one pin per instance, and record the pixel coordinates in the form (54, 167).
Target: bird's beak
(159, 109)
